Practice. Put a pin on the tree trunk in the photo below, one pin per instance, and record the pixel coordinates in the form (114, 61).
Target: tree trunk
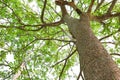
(95, 61)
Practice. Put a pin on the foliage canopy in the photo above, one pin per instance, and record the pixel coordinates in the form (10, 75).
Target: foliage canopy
(40, 46)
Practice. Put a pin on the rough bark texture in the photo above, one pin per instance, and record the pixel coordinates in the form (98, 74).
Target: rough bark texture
(96, 63)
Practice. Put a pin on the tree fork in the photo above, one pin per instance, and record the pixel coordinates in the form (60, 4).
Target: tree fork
(98, 64)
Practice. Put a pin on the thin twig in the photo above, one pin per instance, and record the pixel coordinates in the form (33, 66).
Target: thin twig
(55, 11)
(28, 72)
(62, 40)
(62, 69)
(109, 42)
(81, 70)
(19, 72)
(65, 64)
(109, 35)
(60, 49)
(80, 73)
(29, 44)
(8, 76)
(2, 64)
(18, 18)
(65, 58)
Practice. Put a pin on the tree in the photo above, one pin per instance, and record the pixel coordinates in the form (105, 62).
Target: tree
(43, 49)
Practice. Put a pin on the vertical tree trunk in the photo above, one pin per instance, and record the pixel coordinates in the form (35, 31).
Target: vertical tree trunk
(96, 63)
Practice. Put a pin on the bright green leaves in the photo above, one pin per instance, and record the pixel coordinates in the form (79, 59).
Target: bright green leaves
(39, 49)
(18, 13)
(118, 60)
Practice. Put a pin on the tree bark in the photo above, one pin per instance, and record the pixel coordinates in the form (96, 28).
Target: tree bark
(95, 61)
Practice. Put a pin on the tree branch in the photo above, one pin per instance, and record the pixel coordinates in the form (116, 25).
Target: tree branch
(37, 26)
(43, 10)
(115, 54)
(111, 6)
(62, 69)
(99, 4)
(91, 5)
(2, 64)
(106, 16)
(61, 3)
(64, 59)
(109, 35)
(72, 4)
